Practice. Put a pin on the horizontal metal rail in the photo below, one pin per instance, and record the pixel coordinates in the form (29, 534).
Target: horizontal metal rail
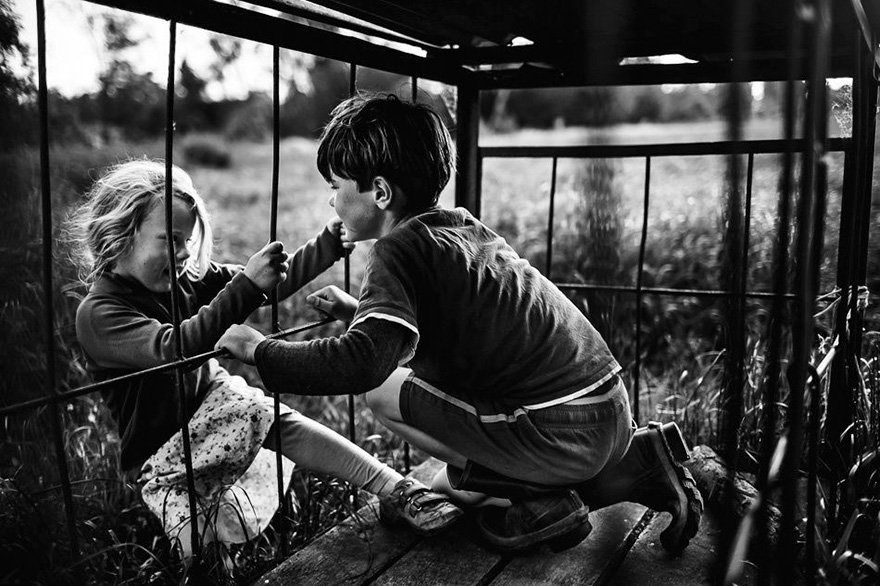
(683, 149)
(673, 291)
(186, 362)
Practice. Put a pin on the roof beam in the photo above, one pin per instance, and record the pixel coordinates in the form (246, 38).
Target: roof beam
(273, 30)
(652, 74)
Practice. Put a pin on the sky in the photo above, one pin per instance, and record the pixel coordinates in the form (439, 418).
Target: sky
(75, 53)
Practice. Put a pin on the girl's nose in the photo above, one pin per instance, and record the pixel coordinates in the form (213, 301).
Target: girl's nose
(332, 201)
(183, 252)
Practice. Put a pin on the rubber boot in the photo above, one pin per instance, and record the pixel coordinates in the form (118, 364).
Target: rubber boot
(651, 473)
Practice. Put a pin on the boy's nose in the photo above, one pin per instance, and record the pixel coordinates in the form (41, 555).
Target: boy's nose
(332, 201)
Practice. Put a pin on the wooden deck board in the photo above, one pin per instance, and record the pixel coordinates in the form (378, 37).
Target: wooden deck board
(623, 548)
(594, 557)
(451, 559)
(648, 562)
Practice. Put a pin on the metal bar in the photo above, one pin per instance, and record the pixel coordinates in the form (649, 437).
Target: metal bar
(765, 550)
(48, 302)
(185, 410)
(841, 394)
(641, 270)
(247, 24)
(819, 109)
(648, 74)
(805, 284)
(867, 32)
(812, 474)
(682, 149)
(670, 291)
(276, 326)
(183, 364)
(467, 135)
(352, 89)
(549, 263)
(735, 266)
(867, 102)
(747, 226)
(406, 448)
(346, 22)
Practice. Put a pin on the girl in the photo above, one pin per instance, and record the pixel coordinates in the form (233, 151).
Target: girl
(124, 325)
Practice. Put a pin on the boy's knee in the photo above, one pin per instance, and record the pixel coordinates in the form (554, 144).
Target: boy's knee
(380, 404)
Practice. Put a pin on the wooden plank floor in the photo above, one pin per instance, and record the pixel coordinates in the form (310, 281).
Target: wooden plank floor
(623, 548)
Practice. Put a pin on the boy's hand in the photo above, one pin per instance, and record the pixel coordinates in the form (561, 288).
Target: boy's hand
(336, 227)
(334, 301)
(268, 266)
(241, 341)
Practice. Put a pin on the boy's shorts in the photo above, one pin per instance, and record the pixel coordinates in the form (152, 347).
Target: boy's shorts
(561, 445)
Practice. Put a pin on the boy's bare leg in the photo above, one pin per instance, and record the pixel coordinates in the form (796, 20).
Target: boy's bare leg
(384, 401)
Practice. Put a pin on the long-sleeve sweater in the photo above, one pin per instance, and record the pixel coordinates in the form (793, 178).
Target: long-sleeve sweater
(123, 327)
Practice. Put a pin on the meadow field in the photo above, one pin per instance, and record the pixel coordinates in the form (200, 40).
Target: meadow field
(597, 228)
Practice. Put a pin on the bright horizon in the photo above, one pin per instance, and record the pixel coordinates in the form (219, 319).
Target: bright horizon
(75, 52)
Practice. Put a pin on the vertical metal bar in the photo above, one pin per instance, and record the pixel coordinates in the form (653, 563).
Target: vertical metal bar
(747, 222)
(185, 410)
(549, 263)
(48, 301)
(867, 105)
(406, 448)
(639, 276)
(352, 89)
(812, 472)
(765, 549)
(276, 326)
(809, 229)
(819, 100)
(733, 278)
(467, 135)
(865, 102)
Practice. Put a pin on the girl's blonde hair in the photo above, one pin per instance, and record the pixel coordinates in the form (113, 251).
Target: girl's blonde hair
(104, 225)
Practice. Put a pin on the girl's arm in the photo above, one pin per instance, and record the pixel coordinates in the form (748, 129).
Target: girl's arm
(116, 334)
(118, 327)
(314, 257)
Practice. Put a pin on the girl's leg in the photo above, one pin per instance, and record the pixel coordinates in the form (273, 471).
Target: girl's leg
(320, 449)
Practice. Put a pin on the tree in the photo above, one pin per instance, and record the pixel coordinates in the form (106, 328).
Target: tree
(16, 92)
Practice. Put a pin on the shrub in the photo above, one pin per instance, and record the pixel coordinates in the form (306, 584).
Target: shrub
(207, 153)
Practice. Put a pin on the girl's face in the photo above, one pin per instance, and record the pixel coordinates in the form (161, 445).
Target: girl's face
(147, 259)
(363, 219)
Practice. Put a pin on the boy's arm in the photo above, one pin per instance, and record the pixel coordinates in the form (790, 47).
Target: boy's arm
(356, 362)
(310, 260)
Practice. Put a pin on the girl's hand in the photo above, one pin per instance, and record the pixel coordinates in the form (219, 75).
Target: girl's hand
(334, 301)
(336, 227)
(268, 266)
(241, 341)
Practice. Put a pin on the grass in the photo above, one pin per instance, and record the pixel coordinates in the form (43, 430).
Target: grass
(598, 219)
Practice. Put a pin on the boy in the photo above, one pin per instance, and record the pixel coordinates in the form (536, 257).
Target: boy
(507, 382)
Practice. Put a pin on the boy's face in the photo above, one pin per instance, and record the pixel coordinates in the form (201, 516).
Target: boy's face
(359, 211)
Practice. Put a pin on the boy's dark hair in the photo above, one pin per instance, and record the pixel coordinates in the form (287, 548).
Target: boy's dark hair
(378, 134)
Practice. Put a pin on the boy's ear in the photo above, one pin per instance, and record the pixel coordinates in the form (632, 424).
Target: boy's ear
(383, 193)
